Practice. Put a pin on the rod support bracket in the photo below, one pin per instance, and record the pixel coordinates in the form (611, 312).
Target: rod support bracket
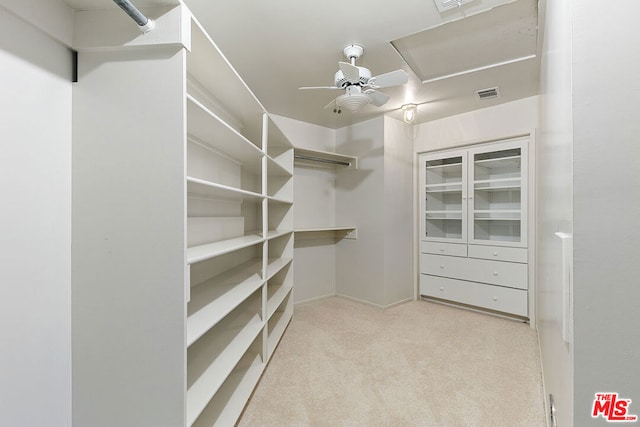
(150, 25)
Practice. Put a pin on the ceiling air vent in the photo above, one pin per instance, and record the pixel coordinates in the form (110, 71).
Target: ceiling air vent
(490, 93)
(444, 5)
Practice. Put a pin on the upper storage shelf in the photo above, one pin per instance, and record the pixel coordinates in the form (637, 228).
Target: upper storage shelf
(208, 128)
(324, 159)
(225, 93)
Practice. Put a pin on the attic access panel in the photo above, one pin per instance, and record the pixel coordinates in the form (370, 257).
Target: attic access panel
(502, 34)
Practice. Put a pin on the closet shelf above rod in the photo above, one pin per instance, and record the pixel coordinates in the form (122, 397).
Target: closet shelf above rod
(339, 161)
(318, 159)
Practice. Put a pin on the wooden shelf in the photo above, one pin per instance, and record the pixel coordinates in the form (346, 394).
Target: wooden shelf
(335, 232)
(213, 299)
(454, 215)
(208, 128)
(275, 295)
(279, 147)
(457, 165)
(202, 188)
(324, 229)
(210, 250)
(210, 68)
(444, 190)
(497, 215)
(444, 186)
(324, 159)
(500, 162)
(497, 183)
(276, 169)
(209, 368)
(227, 405)
(274, 265)
(278, 322)
(274, 234)
(279, 201)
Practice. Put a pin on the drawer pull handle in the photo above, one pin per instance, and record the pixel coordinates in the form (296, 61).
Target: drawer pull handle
(441, 266)
(441, 249)
(495, 254)
(495, 298)
(441, 288)
(495, 273)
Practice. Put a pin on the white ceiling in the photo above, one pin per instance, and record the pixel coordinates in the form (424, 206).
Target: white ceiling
(278, 46)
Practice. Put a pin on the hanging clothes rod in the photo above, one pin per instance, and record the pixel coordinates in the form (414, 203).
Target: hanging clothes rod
(318, 159)
(143, 22)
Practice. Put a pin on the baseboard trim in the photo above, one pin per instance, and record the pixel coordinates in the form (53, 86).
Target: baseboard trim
(383, 307)
(314, 299)
(476, 309)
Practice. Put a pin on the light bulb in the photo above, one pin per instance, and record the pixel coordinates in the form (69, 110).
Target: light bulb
(409, 112)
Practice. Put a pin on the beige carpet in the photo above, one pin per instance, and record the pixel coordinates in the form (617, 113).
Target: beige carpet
(342, 363)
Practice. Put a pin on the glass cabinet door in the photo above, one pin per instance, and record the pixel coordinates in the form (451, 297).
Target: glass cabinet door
(497, 194)
(443, 210)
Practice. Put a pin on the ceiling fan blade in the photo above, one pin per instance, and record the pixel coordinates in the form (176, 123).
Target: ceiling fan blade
(377, 98)
(393, 78)
(350, 72)
(318, 87)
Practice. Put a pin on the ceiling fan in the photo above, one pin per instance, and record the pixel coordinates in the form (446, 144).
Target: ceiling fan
(358, 84)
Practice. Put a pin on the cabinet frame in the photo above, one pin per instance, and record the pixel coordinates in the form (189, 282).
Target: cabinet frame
(425, 188)
(468, 194)
(518, 189)
(517, 143)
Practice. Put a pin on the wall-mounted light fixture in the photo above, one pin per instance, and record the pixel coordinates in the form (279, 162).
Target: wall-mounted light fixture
(409, 112)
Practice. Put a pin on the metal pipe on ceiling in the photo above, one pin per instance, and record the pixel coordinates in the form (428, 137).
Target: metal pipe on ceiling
(145, 24)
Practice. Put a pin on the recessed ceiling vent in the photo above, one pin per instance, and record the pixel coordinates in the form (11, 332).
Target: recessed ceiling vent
(489, 93)
(444, 5)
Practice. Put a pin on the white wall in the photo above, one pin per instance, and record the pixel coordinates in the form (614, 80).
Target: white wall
(509, 119)
(35, 224)
(377, 267)
(555, 204)
(606, 203)
(360, 201)
(399, 211)
(589, 185)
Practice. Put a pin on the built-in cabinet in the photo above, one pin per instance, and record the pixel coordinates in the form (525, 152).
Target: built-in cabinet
(473, 226)
(239, 216)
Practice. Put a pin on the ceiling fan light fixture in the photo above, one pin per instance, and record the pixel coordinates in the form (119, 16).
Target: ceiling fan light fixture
(409, 112)
(353, 102)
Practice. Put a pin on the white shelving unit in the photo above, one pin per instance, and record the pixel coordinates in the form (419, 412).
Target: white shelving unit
(473, 232)
(239, 206)
(188, 218)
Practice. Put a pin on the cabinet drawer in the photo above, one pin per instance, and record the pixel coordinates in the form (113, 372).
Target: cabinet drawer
(477, 270)
(498, 253)
(506, 300)
(443, 248)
